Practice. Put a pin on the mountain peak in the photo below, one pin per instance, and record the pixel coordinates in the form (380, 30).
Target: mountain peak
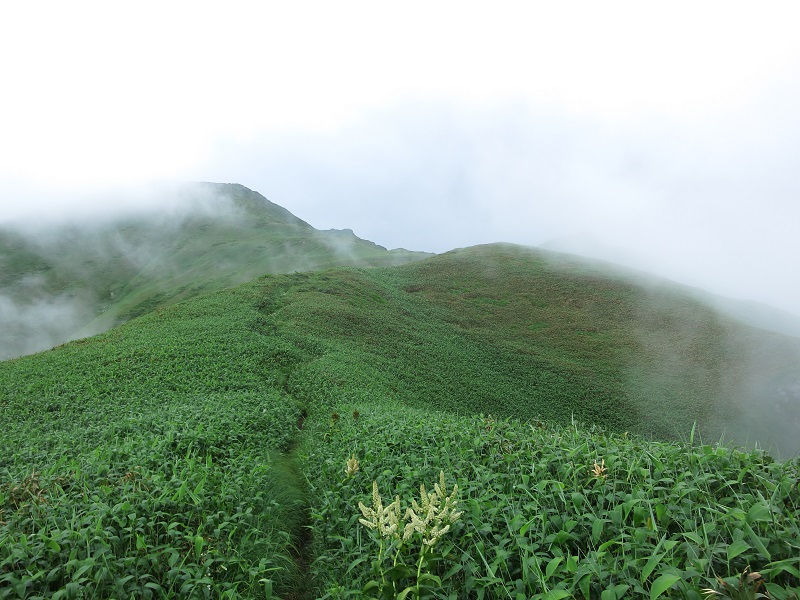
(255, 205)
(82, 277)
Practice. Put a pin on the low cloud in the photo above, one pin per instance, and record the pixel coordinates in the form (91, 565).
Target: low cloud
(32, 208)
(36, 324)
(63, 259)
(709, 203)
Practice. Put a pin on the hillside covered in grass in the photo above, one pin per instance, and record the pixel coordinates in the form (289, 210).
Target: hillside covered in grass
(526, 333)
(220, 447)
(67, 279)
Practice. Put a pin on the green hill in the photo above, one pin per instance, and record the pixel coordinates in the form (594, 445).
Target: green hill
(525, 333)
(200, 449)
(67, 280)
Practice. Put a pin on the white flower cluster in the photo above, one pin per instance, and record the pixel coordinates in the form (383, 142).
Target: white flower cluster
(351, 466)
(431, 517)
(385, 521)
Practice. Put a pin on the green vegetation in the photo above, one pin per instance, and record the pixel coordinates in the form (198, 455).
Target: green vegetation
(553, 512)
(151, 461)
(523, 333)
(208, 449)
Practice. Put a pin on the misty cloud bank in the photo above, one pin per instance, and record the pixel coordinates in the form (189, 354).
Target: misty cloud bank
(711, 203)
(38, 324)
(59, 269)
(78, 273)
(33, 208)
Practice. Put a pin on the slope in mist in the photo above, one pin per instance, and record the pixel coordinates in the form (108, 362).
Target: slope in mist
(67, 279)
(522, 332)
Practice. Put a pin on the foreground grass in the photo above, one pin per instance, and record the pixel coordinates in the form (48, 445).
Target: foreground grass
(540, 520)
(149, 462)
(164, 458)
(187, 500)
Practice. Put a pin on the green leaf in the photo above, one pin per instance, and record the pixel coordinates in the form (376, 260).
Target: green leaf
(572, 564)
(453, 570)
(692, 536)
(758, 512)
(429, 577)
(662, 584)
(606, 545)
(402, 595)
(736, 548)
(562, 536)
(620, 589)
(584, 583)
(552, 566)
(661, 512)
(268, 593)
(77, 575)
(652, 563)
(783, 566)
(355, 563)
(398, 572)
(370, 586)
(556, 595)
(597, 529)
(199, 543)
(757, 542)
(524, 529)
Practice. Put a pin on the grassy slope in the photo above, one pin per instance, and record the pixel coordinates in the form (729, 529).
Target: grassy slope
(171, 442)
(107, 273)
(517, 332)
(160, 442)
(547, 512)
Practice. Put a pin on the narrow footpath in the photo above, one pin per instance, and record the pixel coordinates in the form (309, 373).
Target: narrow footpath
(301, 547)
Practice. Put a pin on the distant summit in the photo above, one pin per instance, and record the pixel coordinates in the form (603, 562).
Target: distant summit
(74, 279)
(253, 204)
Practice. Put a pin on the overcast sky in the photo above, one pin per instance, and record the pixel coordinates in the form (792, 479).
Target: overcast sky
(663, 134)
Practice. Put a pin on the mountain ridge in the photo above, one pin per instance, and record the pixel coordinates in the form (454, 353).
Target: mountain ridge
(593, 315)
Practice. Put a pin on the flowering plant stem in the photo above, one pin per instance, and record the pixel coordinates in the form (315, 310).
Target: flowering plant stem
(419, 568)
